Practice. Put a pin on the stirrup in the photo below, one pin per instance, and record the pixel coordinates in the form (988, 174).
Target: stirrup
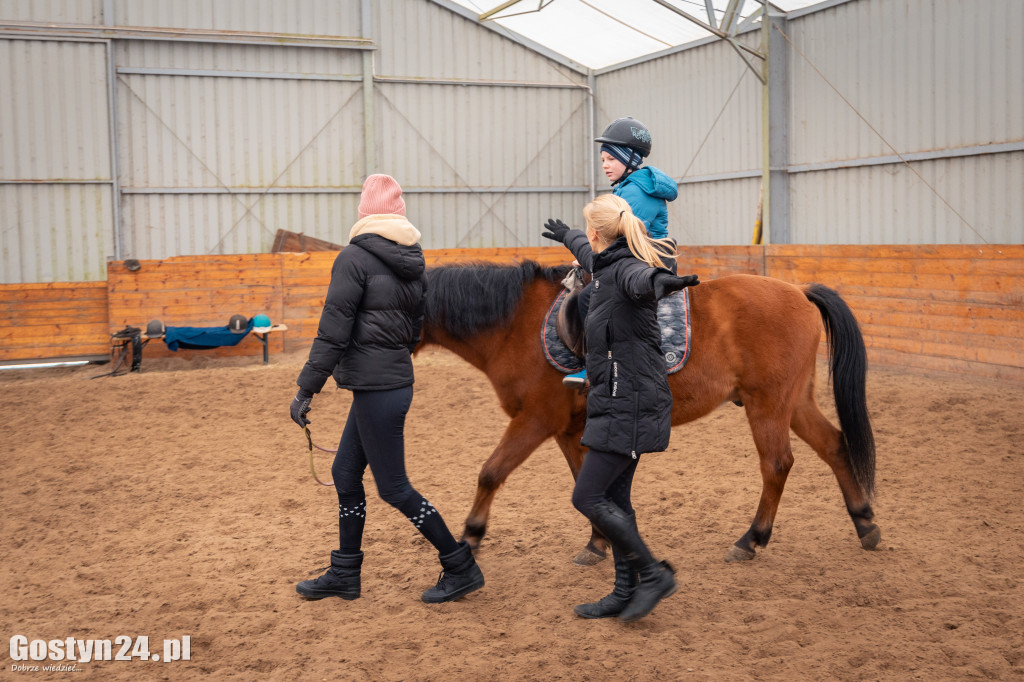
(577, 380)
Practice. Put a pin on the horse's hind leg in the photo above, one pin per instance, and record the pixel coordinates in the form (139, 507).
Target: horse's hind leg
(522, 436)
(596, 550)
(771, 436)
(812, 427)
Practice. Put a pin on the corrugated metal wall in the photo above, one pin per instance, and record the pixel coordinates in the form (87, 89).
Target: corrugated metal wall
(706, 89)
(55, 180)
(485, 150)
(940, 80)
(219, 145)
(76, 12)
(300, 17)
(935, 77)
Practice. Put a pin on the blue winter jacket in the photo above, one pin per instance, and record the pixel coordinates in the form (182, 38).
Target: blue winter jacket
(646, 191)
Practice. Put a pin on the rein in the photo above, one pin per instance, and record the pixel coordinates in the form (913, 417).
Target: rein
(309, 439)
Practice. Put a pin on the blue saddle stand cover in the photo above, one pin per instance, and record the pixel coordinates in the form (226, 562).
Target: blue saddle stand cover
(203, 338)
(676, 333)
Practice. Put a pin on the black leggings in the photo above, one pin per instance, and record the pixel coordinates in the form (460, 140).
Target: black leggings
(604, 476)
(375, 435)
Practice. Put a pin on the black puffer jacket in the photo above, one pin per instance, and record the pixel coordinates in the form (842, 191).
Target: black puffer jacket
(372, 317)
(629, 405)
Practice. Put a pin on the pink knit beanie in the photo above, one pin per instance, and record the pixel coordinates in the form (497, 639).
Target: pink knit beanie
(381, 194)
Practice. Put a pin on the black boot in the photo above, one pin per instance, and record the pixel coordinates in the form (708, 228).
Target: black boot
(656, 578)
(460, 577)
(340, 580)
(657, 582)
(612, 605)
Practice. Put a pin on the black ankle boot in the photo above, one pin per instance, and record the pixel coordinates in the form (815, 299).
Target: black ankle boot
(460, 577)
(657, 581)
(612, 605)
(656, 578)
(340, 580)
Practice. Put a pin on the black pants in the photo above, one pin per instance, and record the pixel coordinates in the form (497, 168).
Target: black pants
(375, 435)
(604, 476)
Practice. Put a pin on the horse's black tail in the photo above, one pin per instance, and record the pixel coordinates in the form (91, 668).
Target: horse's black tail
(848, 364)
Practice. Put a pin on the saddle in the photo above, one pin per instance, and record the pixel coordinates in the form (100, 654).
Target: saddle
(125, 343)
(568, 324)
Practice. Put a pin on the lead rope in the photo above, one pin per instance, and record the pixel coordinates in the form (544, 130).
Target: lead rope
(309, 439)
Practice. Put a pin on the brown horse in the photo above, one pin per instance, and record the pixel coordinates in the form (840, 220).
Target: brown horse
(754, 343)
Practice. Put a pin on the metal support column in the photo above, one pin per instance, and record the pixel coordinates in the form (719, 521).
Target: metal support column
(591, 134)
(115, 154)
(774, 129)
(369, 137)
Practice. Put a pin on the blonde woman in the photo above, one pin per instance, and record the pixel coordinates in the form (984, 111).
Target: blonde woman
(629, 403)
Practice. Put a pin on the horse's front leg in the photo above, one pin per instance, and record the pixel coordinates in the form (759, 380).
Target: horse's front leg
(596, 549)
(522, 436)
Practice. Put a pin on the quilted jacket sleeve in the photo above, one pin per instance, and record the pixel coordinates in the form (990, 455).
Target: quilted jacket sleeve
(577, 242)
(637, 281)
(348, 281)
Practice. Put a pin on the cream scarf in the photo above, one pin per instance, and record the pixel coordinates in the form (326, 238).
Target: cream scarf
(393, 227)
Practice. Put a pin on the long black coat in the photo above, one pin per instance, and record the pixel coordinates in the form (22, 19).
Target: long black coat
(372, 317)
(629, 405)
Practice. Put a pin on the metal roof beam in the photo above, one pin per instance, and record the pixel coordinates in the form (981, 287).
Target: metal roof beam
(707, 27)
(710, 6)
(487, 16)
(503, 6)
(731, 13)
(32, 29)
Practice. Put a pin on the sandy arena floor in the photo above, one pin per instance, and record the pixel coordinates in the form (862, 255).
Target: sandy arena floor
(179, 502)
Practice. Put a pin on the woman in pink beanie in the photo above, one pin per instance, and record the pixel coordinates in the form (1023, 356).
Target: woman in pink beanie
(371, 323)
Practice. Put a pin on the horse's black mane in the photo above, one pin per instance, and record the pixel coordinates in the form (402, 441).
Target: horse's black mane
(467, 298)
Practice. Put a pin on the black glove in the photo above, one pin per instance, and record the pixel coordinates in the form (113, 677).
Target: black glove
(300, 406)
(665, 284)
(556, 230)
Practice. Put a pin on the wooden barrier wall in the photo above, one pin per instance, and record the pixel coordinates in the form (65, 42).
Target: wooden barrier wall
(948, 307)
(201, 291)
(197, 291)
(55, 319)
(956, 308)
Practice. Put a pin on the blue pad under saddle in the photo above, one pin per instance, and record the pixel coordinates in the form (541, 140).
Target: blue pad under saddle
(673, 316)
(203, 338)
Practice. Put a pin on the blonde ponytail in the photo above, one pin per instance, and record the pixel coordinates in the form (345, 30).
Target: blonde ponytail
(611, 217)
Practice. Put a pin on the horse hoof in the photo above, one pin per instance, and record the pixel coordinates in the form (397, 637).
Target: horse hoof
(870, 541)
(738, 554)
(588, 558)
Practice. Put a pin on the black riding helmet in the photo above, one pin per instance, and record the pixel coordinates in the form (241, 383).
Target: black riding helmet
(155, 329)
(238, 323)
(628, 132)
